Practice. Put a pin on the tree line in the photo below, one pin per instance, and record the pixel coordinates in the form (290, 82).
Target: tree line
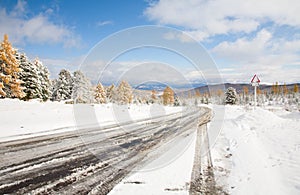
(24, 79)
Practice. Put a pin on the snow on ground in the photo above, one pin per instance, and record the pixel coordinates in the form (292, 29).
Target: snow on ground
(169, 173)
(258, 151)
(20, 119)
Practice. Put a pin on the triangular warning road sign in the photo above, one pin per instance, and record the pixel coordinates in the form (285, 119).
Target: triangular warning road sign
(255, 79)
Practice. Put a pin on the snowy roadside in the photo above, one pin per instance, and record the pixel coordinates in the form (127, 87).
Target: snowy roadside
(169, 172)
(20, 119)
(258, 151)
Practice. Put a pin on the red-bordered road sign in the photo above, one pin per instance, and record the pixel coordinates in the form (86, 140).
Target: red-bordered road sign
(255, 79)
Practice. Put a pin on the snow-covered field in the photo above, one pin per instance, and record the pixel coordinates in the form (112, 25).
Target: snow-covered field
(258, 151)
(20, 119)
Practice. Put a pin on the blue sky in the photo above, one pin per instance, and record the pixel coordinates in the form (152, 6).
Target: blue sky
(257, 37)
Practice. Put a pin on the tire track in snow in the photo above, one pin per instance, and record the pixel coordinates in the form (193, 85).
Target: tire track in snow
(202, 178)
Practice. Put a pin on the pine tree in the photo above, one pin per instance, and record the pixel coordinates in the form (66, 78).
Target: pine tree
(63, 87)
(168, 96)
(30, 78)
(44, 80)
(100, 94)
(123, 94)
(53, 84)
(82, 88)
(10, 84)
(230, 96)
(177, 101)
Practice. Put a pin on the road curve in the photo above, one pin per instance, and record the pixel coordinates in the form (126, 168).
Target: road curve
(91, 160)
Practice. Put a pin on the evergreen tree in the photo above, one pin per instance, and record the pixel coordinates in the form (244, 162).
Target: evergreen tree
(10, 84)
(82, 88)
(44, 80)
(168, 96)
(30, 78)
(177, 101)
(230, 96)
(123, 94)
(63, 87)
(100, 94)
(53, 84)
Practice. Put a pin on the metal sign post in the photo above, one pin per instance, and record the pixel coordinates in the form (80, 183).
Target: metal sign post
(255, 83)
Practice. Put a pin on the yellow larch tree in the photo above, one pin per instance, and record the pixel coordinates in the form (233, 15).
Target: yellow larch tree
(246, 90)
(153, 95)
(168, 96)
(285, 89)
(100, 94)
(10, 84)
(296, 89)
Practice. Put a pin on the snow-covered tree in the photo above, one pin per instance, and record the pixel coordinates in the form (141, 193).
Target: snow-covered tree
(153, 97)
(82, 88)
(177, 101)
(110, 92)
(230, 96)
(63, 87)
(29, 77)
(123, 93)
(52, 88)
(44, 80)
(10, 84)
(100, 94)
(168, 96)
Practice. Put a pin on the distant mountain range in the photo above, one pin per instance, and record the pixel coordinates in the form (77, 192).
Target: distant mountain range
(202, 88)
(160, 86)
(239, 88)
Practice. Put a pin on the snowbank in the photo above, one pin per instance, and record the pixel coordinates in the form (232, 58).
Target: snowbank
(258, 151)
(20, 119)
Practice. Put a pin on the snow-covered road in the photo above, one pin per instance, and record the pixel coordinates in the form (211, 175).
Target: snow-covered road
(88, 160)
(169, 173)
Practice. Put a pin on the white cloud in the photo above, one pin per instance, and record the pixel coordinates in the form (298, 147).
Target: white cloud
(36, 29)
(274, 59)
(224, 16)
(137, 72)
(186, 36)
(244, 48)
(103, 23)
(56, 65)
